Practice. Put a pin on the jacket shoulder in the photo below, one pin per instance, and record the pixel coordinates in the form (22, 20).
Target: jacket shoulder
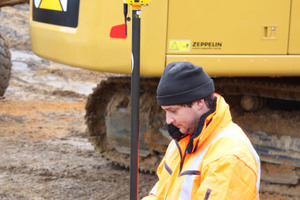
(231, 142)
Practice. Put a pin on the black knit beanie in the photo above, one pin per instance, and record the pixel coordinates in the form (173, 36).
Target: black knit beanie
(183, 82)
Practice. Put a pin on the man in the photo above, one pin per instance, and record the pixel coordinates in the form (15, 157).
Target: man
(209, 157)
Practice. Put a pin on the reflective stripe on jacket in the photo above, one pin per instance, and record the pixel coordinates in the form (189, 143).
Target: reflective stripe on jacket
(223, 165)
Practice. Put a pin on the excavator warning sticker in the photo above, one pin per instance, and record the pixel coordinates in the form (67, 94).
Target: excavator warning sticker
(59, 5)
(58, 12)
(179, 45)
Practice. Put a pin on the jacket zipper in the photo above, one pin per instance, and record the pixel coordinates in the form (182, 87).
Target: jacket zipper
(182, 157)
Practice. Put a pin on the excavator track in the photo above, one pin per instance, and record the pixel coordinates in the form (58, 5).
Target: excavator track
(96, 118)
(5, 66)
(274, 132)
(287, 88)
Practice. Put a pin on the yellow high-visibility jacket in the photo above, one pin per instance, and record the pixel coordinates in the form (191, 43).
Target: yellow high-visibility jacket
(223, 165)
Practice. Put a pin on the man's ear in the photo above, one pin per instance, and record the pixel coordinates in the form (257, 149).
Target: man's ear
(200, 103)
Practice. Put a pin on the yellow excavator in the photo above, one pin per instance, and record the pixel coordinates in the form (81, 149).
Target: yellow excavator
(250, 48)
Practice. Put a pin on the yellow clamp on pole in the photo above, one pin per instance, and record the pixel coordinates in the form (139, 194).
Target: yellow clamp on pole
(137, 4)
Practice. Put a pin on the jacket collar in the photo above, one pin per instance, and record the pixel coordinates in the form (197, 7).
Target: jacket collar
(209, 125)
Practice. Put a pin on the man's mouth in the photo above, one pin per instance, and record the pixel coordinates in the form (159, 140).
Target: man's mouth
(176, 125)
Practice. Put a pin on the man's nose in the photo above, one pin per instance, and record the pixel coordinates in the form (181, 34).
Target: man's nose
(169, 118)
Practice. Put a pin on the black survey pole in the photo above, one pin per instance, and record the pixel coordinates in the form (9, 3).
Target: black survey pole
(135, 91)
(135, 95)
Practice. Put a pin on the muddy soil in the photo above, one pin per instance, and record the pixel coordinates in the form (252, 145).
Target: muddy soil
(45, 153)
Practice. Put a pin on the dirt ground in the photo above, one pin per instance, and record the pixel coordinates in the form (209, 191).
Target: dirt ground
(45, 153)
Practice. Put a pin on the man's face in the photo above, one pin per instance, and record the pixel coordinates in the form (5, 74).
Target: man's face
(183, 117)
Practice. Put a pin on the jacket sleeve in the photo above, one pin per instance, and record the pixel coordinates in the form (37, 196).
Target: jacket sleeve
(150, 197)
(227, 178)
